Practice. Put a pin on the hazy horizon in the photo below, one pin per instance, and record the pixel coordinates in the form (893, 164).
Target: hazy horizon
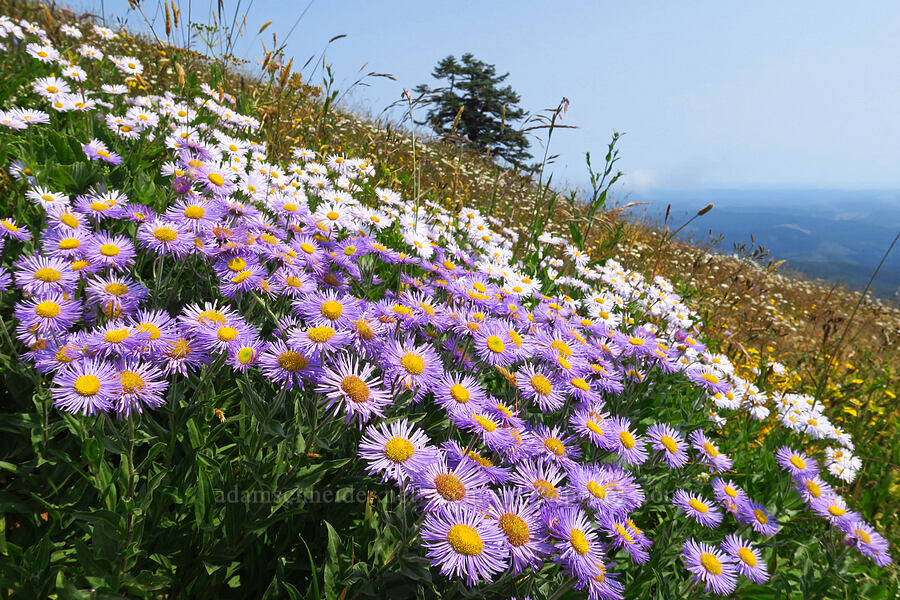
(840, 235)
(760, 106)
(709, 95)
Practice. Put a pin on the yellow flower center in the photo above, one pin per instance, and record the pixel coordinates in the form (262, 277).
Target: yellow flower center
(364, 330)
(814, 490)
(710, 378)
(114, 336)
(109, 250)
(624, 533)
(798, 462)
(465, 540)
(596, 490)
(401, 309)
(627, 440)
(332, 310)
(47, 275)
(863, 536)
(79, 264)
(459, 393)
(836, 510)
(450, 487)
(698, 506)
(636, 341)
(332, 216)
(747, 556)
(116, 289)
(398, 449)
(495, 344)
(413, 363)
(211, 316)
(69, 243)
(579, 541)
(227, 334)
(215, 179)
(165, 234)
(594, 426)
(484, 462)
(710, 449)
(292, 361)
(99, 206)
(245, 355)
(546, 489)
(541, 384)
(670, 444)
(515, 528)
(711, 563)
(307, 247)
(69, 221)
(237, 264)
(555, 446)
(194, 212)
(47, 309)
(132, 382)
(355, 388)
(87, 385)
(580, 383)
(320, 334)
(730, 491)
(242, 276)
(485, 423)
(562, 348)
(762, 517)
(150, 328)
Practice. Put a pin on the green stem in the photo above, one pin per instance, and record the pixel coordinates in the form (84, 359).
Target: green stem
(129, 494)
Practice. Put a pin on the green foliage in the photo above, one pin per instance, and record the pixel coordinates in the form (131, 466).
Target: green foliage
(474, 105)
(234, 489)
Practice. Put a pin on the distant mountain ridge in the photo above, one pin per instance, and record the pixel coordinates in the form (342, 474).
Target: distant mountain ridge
(838, 235)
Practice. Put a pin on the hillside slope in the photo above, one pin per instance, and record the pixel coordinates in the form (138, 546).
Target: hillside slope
(257, 346)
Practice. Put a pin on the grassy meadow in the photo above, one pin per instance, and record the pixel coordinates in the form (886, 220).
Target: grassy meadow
(256, 345)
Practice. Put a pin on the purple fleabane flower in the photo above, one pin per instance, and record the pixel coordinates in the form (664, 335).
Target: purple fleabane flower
(86, 387)
(710, 566)
(697, 508)
(464, 543)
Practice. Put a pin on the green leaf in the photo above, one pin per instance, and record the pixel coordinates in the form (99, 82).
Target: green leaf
(332, 566)
(601, 199)
(576, 235)
(314, 585)
(203, 496)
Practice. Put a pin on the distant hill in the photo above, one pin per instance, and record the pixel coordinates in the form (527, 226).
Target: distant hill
(839, 235)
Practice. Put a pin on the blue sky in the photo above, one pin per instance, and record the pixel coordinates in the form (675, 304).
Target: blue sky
(710, 94)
